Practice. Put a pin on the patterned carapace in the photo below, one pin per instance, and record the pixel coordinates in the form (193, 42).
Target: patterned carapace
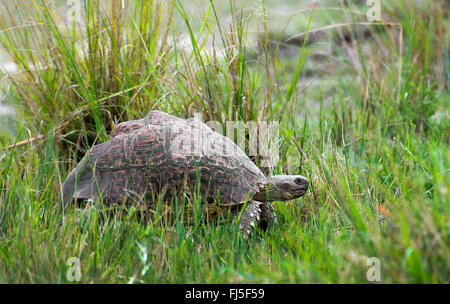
(165, 155)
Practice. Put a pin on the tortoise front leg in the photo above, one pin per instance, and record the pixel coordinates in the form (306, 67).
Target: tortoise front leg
(268, 216)
(250, 218)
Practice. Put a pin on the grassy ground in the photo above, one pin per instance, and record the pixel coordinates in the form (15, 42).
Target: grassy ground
(363, 113)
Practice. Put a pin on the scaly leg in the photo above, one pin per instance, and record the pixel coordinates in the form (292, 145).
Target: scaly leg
(268, 216)
(250, 218)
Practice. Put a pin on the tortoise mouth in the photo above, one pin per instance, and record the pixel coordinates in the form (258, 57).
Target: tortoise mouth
(298, 192)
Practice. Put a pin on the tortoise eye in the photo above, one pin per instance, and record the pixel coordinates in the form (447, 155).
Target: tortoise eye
(298, 181)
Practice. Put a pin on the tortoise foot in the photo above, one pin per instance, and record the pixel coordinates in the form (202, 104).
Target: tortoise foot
(250, 219)
(268, 216)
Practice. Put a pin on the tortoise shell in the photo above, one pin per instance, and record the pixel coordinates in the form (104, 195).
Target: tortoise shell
(164, 155)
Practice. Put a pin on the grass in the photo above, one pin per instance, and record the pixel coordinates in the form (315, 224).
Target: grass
(367, 123)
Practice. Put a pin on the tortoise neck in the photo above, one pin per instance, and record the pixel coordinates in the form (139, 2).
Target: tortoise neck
(266, 193)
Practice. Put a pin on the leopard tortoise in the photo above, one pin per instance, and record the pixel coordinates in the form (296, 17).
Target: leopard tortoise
(163, 155)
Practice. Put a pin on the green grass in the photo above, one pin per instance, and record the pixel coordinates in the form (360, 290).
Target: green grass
(371, 132)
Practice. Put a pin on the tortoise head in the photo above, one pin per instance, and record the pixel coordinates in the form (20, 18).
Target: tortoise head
(282, 188)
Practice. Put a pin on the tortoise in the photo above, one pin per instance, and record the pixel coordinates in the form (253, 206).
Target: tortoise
(165, 156)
